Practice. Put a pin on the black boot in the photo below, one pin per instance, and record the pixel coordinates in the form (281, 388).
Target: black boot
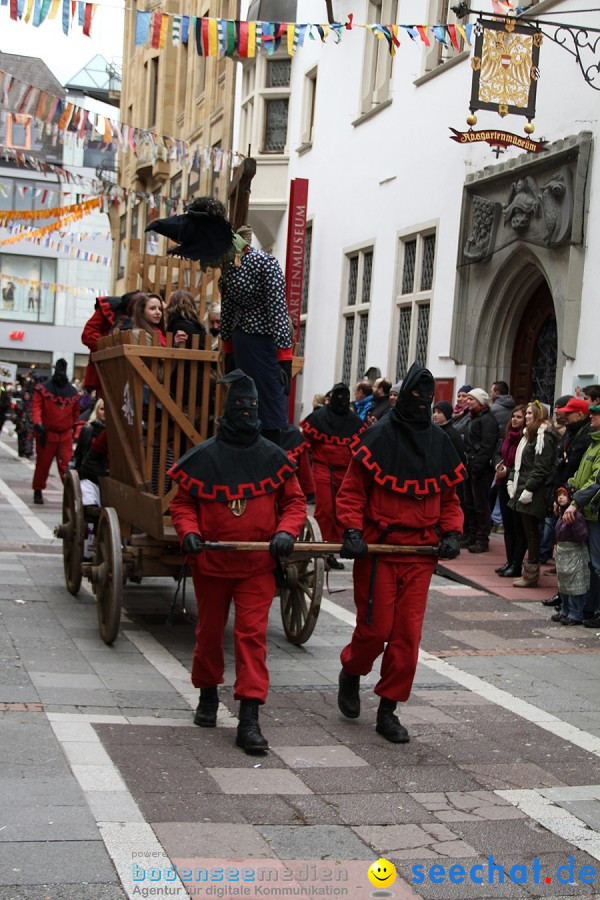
(332, 563)
(206, 711)
(349, 695)
(249, 736)
(38, 498)
(388, 724)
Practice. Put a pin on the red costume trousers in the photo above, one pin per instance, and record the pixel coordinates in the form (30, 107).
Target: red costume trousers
(59, 445)
(327, 483)
(399, 602)
(252, 598)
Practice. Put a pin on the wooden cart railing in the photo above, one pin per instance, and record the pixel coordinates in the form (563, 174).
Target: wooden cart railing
(154, 413)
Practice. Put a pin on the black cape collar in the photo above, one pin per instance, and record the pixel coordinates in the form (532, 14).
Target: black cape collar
(293, 442)
(325, 425)
(220, 471)
(54, 392)
(409, 462)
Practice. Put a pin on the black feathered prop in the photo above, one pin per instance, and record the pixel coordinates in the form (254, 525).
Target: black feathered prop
(199, 235)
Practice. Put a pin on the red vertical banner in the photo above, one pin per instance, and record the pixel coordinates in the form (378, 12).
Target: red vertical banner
(294, 265)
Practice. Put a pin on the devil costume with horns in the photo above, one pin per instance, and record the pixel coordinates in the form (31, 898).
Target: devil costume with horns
(399, 489)
(236, 486)
(330, 431)
(54, 412)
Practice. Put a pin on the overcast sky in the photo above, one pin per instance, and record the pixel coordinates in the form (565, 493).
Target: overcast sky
(66, 55)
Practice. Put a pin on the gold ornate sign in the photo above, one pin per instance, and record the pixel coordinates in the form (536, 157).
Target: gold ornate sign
(505, 69)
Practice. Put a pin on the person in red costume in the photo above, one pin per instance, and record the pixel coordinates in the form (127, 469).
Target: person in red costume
(298, 450)
(399, 489)
(330, 430)
(236, 486)
(108, 313)
(55, 411)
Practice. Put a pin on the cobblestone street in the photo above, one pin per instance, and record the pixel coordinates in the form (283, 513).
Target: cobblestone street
(106, 785)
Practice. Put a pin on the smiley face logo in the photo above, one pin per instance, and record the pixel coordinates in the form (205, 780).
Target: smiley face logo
(382, 873)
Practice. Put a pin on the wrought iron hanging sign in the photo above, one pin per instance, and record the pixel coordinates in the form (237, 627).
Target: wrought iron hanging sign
(505, 69)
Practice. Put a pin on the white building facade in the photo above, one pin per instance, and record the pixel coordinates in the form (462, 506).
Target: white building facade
(477, 263)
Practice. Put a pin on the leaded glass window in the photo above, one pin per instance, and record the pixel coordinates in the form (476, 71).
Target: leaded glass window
(408, 269)
(363, 331)
(404, 318)
(352, 280)
(422, 334)
(427, 266)
(348, 345)
(276, 121)
(366, 280)
(278, 73)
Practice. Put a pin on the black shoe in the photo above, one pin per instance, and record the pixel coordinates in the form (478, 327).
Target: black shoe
(557, 617)
(567, 621)
(553, 601)
(332, 563)
(389, 725)
(466, 541)
(249, 736)
(502, 569)
(38, 498)
(593, 622)
(349, 695)
(478, 548)
(511, 572)
(206, 711)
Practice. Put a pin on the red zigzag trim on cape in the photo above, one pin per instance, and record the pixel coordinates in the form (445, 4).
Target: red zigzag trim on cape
(60, 401)
(106, 309)
(224, 493)
(296, 452)
(409, 486)
(330, 438)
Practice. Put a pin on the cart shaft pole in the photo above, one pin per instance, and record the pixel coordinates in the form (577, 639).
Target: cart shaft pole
(318, 548)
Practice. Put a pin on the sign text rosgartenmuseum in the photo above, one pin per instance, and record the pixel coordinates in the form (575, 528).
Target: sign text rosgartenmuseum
(497, 139)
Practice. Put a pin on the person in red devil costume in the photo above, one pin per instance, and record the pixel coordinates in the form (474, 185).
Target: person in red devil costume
(298, 449)
(236, 486)
(399, 489)
(330, 430)
(54, 412)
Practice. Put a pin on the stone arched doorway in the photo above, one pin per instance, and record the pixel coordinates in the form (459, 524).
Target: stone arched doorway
(534, 356)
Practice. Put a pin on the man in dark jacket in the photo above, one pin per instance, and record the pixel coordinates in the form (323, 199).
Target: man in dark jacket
(502, 405)
(481, 438)
(381, 400)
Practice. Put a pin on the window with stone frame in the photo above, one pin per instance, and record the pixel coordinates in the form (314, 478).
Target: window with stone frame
(440, 13)
(378, 62)
(264, 104)
(413, 300)
(355, 314)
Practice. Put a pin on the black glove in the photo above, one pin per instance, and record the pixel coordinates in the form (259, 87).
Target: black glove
(285, 375)
(449, 545)
(282, 544)
(41, 434)
(353, 545)
(192, 544)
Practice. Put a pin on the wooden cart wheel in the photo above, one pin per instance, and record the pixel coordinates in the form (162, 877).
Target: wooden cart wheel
(72, 531)
(108, 574)
(301, 596)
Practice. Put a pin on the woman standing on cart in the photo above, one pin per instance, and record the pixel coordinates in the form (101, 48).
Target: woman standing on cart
(236, 486)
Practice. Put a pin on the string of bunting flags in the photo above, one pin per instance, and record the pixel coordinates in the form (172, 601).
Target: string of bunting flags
(58, 116)
(72, 12)
(66, 247)
(50, 285)
(29, 215)
(228, 37)
(78, 212)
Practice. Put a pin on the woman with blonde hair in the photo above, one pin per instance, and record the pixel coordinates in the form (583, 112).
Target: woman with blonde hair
(527, 484)
(183, 324)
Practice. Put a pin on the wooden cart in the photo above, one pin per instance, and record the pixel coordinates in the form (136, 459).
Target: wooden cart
(151, 422)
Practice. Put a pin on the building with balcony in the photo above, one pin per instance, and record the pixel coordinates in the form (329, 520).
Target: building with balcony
(47, 290)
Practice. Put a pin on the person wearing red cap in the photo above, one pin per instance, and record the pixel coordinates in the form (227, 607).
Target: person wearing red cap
(54, 411)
